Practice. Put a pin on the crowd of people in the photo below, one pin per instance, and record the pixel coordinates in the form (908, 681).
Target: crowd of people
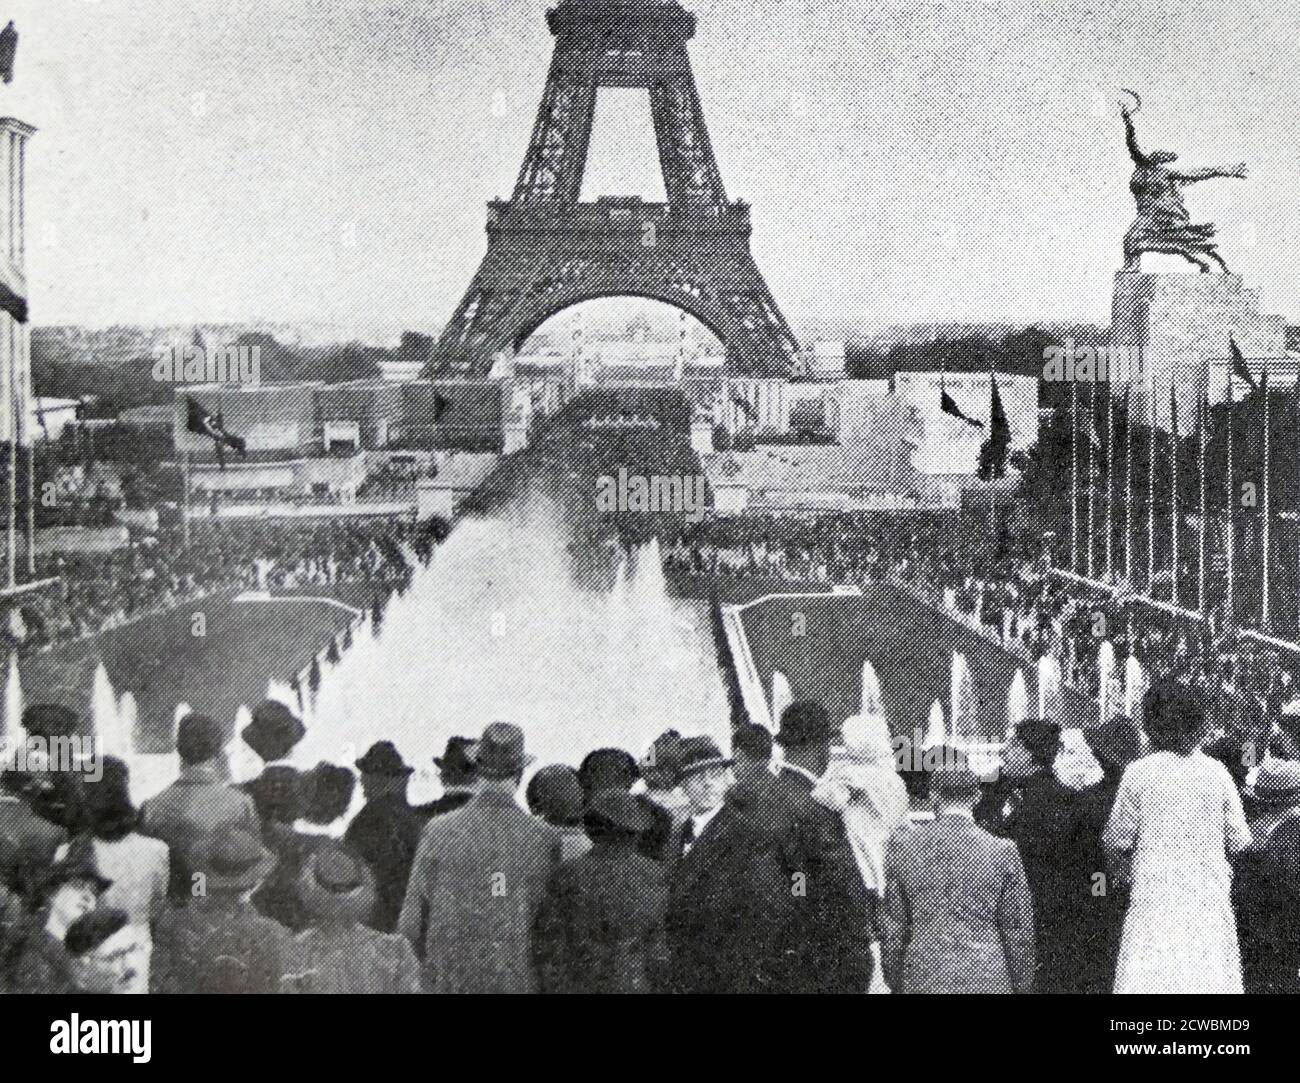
(95, 593)
(813, 859)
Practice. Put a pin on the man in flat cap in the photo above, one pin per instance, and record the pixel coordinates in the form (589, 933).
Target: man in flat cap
(478, 880)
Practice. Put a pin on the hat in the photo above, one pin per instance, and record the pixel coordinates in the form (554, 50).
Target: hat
(804, 722)
(277, 793)
(458, 763)
(1115, 743)
(274, 732)
(501, 751)
(867, 740)
(382, 758)
(49, 720)
(1277, 782)
(110, 814)
(607, 768)
(199, 739)
(700, 754)
(337, 884)
(94, 928)
(953, 778)
(617, 810)
(662, 760)
(555, 794)
(326, 793)
(233, 859)
(79, 864)
(1040, 736)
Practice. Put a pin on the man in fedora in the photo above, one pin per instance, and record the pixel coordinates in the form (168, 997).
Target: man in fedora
(219, 943)
(769, 898)
(1273, 797)
(600, 926)
(456, 773)
(200, 801)
(478, 880)
(1046, 823)
(704, 775)
(339, 952)
(958, 917)
(385, 833)
(273, 733)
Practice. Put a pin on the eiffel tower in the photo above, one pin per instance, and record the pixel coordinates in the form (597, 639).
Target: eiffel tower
(547, 250)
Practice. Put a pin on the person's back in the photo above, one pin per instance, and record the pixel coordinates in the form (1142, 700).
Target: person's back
(478, 879)
(1266, 899)
(350, 959)
(218, 946)
(958, 915)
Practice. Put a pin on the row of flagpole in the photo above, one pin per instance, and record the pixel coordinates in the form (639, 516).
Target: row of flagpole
(1083, 564)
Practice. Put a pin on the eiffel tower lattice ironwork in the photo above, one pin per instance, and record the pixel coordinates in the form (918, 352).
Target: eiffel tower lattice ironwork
(547, 250)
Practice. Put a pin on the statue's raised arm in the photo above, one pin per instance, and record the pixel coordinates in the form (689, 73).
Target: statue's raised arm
(1162, 223)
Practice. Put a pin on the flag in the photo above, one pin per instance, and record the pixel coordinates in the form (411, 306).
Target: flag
(441, 404)
(950, 407)
(8, 50)
(993, 452)
(202, 423)
(746, 407)
(1239, 368)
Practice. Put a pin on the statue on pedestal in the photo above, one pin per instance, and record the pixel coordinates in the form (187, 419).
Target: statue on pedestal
(1162, 223)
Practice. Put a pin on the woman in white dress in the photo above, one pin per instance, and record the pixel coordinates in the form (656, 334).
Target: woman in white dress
(1176, 820)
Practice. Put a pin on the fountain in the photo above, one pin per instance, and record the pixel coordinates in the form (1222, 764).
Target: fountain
(962, 704)
(1106, 707)
(106, 722)
(1017, 701)
(496, 629)
(245, 764)
(872, 702)
(936, 733)
(1050, 699)
(11, 725)
(128, 717)
(1135, 687)
(782, 696)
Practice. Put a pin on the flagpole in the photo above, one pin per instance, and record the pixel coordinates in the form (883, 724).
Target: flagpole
(1228, 613)
(1092, 472)
(1110, 486)
(1151, 487)
(1266, 555)
(1128, 483)
(1203, 421)
(13, 473)
(1173, 495)
(1074, 477)
(185, 517)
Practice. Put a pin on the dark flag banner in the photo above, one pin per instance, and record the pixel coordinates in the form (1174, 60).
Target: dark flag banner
(993, 452)
(440, 405)
(1239, 368)
(200, 422)
(746, 407)
(950, 407)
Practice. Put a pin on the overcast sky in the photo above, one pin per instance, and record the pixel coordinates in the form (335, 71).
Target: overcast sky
(907, 160)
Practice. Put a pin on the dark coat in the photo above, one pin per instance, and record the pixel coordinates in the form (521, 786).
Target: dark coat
(769, 898)
(349, 959)
(957, 916)
(1103, 903)
(385, 834)
(41, 965)
(27, 845)
(1046, 824)
(214, 948)
(1266, 898)
(278, 897)
(600, 926)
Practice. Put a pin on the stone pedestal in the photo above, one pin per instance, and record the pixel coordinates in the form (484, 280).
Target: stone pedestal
(1176, 328)
(702, 436)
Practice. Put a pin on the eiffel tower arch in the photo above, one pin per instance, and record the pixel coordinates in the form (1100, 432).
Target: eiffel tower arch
(547, 250)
